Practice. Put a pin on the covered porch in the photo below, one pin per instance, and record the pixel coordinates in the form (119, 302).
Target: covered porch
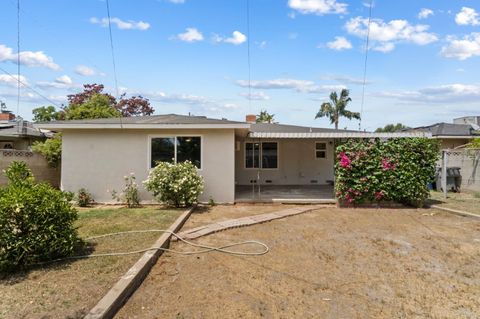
(284, 194)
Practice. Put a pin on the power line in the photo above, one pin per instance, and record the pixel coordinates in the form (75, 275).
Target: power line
(29, 87)
(365, 64)
(111, 47)
(18, 57)
(248, 59)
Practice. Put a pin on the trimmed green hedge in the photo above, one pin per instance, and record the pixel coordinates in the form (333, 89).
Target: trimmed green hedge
(396, 170)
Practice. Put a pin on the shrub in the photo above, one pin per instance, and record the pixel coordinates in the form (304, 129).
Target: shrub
(84, 198)
(175, 184)
(51, 149)
(130, 192)
(36, 222)
(396, 170)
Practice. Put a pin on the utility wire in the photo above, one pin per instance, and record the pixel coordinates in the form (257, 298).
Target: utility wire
(18, 57)
(248, 59)
(111, 47)
(29, 87)
(365, 63)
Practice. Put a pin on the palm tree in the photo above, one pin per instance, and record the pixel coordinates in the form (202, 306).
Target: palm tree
(337, 108)
(265, 117)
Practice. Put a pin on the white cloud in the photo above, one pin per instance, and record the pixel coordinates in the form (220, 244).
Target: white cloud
(425, 13)
(447, 93)
(12, 80)
(121, 24)
(190, 35)
(28, 58)
(318, 7)
(347, 79)
(256, 96)
(236, 38)
(462, 49)
(62, 82)
(384, 35)
(85, 70)
(384, 47)
(262, 44)
(467, 16)
(303, 86)
(339, 44)
(177, 1)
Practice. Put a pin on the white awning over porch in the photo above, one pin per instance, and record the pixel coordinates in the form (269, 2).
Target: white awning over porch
(348, 134)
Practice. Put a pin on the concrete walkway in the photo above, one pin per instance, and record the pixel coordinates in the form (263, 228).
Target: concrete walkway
(245, 221)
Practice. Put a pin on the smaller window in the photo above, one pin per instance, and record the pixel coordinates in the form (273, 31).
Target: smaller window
(320, 150)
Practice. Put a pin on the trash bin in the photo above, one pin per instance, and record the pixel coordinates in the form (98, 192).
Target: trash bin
(454, 179)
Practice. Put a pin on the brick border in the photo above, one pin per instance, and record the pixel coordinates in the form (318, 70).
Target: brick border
(116, 297)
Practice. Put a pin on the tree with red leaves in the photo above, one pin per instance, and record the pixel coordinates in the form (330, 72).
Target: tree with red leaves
(89, 90)
(134, 106)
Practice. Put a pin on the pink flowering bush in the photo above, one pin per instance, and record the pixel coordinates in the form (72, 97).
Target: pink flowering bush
(396, 170)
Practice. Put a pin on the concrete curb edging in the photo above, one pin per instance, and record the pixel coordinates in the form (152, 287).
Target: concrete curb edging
(116, 297)
(455, 211)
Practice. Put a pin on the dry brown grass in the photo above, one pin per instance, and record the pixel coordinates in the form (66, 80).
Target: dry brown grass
(70, 289)
(329, 263)
(466, 201)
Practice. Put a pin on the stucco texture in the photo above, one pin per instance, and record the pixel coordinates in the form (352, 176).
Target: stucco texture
(98, 160)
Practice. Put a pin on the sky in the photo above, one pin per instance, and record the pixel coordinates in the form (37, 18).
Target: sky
(191, 56)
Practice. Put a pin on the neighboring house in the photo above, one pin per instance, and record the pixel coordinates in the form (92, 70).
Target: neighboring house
(453, 135)
(17, 134)
(16, 139)
(239, 161)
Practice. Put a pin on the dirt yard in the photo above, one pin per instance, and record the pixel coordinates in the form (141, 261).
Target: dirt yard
(330, 263)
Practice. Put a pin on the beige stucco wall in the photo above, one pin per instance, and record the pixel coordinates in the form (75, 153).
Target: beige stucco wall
(297, 164)
(36, 162)
(99, 159)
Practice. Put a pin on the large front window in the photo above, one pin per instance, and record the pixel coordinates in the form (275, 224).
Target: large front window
(261, 155)
(176, 149)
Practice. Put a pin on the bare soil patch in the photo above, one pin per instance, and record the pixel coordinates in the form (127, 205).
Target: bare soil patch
(70, 289)
(329, 263)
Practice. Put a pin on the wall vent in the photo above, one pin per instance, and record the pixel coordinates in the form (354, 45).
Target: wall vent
(268, 181)
(313, 181)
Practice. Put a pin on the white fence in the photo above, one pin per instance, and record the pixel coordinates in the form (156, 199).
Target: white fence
(469, 163)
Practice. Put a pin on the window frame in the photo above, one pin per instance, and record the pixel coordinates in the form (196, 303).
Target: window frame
(325, 150)
(174, 136)
(260, 159)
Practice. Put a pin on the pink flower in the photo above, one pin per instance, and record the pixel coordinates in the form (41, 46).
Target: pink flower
(344, 160)
(379, 195)
(387, 165)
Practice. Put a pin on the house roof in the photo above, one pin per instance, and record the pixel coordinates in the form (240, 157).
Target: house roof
(153, 121)
(447, 130)
(273, 130)
(14, 129)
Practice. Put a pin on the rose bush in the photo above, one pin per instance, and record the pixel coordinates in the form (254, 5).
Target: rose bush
(175, 184)
(396, 170)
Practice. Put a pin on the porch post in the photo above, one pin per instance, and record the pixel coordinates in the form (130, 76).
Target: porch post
(444, 172)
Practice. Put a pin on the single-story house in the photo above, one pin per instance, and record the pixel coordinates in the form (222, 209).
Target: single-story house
(239, 161)
(453, 135)
(17, 134)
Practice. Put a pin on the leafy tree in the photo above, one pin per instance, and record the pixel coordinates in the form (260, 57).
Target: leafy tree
(391, 128)
(95, 107)
(89, 90)
(45, 114)
(475, 143)
(134, 106)
(51, 149)
(336, 108)
(265, 117)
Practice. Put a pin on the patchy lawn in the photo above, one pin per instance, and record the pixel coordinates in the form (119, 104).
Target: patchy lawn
(466, 201)
(329, 263)
(70, 289)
